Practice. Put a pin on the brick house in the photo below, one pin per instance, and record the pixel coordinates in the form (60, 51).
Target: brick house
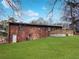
(21, 31)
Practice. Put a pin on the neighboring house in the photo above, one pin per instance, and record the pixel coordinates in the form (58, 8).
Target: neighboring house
(62, 32)
(21, 31)
(2, 30)
(3, 34)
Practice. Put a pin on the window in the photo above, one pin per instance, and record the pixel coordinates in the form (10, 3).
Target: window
(39, 28)
(21, 27)
(49, 29)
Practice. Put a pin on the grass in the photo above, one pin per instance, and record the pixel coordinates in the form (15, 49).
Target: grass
(49, 48)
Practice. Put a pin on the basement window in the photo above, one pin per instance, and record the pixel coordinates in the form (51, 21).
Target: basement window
(21, 28)
(39, 28)
(49, 29)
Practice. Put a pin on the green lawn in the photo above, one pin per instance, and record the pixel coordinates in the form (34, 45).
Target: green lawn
(49, 48)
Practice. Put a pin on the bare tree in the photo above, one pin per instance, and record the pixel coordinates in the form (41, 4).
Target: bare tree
(39, 21)
(71, 10)
(16, 7)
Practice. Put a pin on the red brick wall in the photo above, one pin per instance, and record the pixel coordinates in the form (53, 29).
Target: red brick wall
(12, 30)
(38, 32)
(27, 32)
